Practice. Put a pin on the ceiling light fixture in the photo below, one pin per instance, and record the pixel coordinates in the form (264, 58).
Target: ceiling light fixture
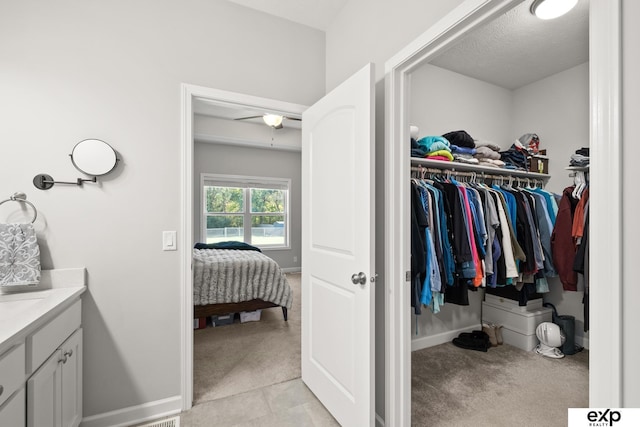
(273, 120)
(549, 9)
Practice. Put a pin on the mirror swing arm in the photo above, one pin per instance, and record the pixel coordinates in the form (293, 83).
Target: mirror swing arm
(90, 156)
(43, 181)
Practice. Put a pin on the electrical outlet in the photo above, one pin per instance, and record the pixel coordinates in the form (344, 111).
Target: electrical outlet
(295, 259)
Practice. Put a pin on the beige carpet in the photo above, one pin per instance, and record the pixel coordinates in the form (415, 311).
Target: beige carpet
(505, 386)
(237, 358)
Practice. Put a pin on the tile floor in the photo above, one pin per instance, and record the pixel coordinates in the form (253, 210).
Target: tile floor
(289, 403)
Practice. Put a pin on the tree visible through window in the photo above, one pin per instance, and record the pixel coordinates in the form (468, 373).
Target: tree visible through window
(246, 209)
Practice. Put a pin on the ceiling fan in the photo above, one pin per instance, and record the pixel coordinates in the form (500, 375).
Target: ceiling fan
(273, 120)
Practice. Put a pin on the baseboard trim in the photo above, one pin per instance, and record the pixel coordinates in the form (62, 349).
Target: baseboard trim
(379, 421)
(136, 414)
(291, 270)
(582, 341)
(426, 342)
(441, 338)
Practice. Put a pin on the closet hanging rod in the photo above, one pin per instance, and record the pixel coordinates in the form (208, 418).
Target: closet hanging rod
(466, 167)
(475, 175)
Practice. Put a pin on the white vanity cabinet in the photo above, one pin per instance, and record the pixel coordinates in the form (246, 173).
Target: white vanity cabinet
(12, 412)
(12, 393)
(54, 391)
(41, 363)
(54, 359)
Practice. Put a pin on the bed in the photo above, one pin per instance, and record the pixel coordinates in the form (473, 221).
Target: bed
(233, 277)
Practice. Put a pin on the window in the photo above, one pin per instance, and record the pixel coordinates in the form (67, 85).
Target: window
(245, 209)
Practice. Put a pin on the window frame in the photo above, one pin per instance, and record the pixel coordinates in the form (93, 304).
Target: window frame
(247, 183)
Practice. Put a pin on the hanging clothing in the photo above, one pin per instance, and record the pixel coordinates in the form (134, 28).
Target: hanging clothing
(563, 247)
(545, 227)
(470, 235)
(418, 248)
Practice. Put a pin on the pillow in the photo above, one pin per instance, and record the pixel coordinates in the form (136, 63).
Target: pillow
(227, 245)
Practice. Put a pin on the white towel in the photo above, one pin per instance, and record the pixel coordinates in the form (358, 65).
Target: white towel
(19, 255)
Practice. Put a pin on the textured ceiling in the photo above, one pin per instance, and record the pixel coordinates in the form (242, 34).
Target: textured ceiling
(313, 13)
(518, 48)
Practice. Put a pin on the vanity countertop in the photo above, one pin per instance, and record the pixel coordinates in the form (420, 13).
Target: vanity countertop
(23, 312)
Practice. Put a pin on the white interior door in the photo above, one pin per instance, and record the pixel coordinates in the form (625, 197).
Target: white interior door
(337, 243)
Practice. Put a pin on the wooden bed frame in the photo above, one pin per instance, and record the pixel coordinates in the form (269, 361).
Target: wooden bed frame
(226, 308)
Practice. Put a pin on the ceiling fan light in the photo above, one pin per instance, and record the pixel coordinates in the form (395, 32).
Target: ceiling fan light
(273, 120)
(550, 9)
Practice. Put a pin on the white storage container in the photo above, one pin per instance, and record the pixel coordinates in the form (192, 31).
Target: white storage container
(522, 321)
(512, 304)
(518, 326)
(250, 316)
(516, 339)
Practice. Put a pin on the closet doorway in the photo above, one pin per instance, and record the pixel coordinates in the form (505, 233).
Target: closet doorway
(603, 127)
(201, 100)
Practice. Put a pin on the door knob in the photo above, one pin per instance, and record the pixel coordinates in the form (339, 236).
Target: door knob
(359, 278)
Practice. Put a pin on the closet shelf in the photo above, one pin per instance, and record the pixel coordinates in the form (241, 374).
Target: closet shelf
(577, 168)
(464, 167)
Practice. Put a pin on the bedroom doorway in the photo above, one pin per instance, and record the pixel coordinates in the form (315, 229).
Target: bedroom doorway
(200, 100)
(248, 355)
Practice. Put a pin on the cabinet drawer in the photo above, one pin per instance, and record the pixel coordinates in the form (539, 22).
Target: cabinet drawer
(47, 339)
(13, 412)
(12, 371)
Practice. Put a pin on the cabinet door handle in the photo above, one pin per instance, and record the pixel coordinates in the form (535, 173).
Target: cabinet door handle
(63, 360)
(68, 353)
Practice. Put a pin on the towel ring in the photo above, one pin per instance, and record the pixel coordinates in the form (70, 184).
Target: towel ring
(22, 198)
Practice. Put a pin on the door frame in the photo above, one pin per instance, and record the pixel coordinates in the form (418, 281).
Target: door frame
(189, 94)
(605, 367)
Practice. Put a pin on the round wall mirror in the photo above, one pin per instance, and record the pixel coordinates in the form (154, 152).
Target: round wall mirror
(94, 157)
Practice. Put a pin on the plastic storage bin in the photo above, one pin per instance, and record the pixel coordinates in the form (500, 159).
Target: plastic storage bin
(221, 320)
(516, 339)
(511, 304)
(250, 316)
(518, 325)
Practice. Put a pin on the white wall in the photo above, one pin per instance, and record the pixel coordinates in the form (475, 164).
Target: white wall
(74, 69)
(375, 30)
(557, 110)
(630, 224)
(252, 161)
(444, 101)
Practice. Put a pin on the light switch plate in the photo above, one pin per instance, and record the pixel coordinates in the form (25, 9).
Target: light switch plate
(169, 242)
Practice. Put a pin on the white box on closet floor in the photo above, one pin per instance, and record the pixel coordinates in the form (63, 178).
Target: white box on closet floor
(511, 304)
(518, 323)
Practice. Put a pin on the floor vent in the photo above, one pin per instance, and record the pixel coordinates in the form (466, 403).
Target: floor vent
(167, 422)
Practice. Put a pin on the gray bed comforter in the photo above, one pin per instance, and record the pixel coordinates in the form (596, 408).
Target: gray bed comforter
(229, 275)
